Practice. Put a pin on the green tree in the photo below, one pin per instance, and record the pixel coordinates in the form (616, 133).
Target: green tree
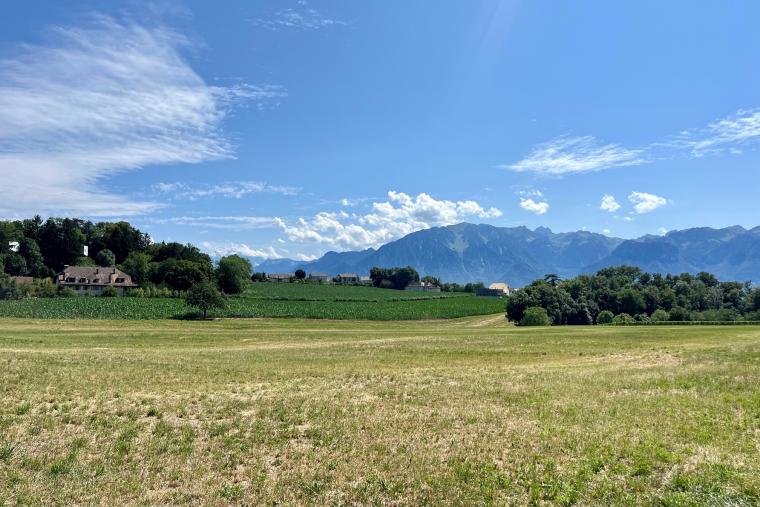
(535, 316)
(660, 315)
(300, 274)
(137, 265)
(605, 317)
(233, 274)
(552, 279)
(105, 258)
(15, 265)
(204, 296)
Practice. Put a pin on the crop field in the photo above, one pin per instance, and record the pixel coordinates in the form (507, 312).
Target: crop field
(270, 300)
(296, 412)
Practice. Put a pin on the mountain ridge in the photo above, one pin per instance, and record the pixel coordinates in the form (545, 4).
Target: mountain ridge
(467, 252)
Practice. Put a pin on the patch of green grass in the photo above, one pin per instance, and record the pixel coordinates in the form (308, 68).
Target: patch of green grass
(270, 300)
(450, 412)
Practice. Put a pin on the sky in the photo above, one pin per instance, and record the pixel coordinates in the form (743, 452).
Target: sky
(286, 129)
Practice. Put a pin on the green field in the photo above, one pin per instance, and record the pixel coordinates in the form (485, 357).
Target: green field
(468, 411)
(269, 300)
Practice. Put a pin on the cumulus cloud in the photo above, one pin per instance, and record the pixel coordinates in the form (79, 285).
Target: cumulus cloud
(233, 190)
(99, 100)
(646, 203)
(400, 215)
(537, 207)
(609, 204)
(224, 249)
(567, 155)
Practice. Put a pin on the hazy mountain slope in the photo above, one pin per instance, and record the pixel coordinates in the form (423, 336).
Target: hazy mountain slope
(467, 252)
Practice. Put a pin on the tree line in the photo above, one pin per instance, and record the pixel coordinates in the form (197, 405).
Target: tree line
(626, 294)
(41, 249)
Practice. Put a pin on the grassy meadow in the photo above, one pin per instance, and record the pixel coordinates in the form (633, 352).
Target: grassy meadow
(263, 300)
(464, 411)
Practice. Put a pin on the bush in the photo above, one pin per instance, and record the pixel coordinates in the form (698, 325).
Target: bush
(623, 319)
(535, 316)
(660, 315)
(679, 314)
(605, 318)
(109, 292)
(136, 293)
(66, 292)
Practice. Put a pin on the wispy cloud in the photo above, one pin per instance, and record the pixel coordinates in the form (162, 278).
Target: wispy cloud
(400, 215)
(727, 134)
(567, 155)
(231, 222)
(300, 18)
(101, 99)
(609, 204)
(232, 190)
(646, 203)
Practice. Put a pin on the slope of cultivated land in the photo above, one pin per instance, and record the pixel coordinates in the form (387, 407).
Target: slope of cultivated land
(465, 411)
(270, 300)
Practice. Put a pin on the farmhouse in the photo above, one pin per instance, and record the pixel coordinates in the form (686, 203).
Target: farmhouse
(279, 277)
(423, 287)
(502, 287)
(347, 278)
(365, 280)
(88, 280)
(319, 277)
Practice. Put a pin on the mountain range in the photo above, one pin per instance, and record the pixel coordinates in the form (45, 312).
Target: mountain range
(517, 255)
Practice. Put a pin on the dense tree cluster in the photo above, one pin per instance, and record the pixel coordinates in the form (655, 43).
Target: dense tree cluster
(393, 278)
(41, 249)
(627, 294)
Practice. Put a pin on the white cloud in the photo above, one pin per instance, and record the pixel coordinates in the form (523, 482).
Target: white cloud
(297, 19)
(663, 231)
(232, 223)
(537, 207)
(233, 190)
(224, 249)
(609, 204)
(566, 155)
(99, 100)
(606, 232)
(646, 203)
(725, 134)
(400, 215)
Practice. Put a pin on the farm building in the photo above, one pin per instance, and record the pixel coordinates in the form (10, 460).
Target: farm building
(501, 286)
(347, 278)
(423, 287)
(92, 280)
(365, 280)
(319, 277)
(279, 277)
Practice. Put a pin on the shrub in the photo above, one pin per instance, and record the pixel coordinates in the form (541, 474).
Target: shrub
(660, 315)
(136, 293)
(66, 292)
(679, 314)
(535, 316)
(605, 317)
(623, 319)
(109, 292)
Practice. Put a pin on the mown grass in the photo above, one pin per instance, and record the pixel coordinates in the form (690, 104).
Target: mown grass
(468, 411)
(269, 300)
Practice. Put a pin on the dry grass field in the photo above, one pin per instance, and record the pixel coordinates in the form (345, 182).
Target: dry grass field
(298, 412)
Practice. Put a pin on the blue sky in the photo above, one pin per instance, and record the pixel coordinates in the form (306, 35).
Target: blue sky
(290, 128)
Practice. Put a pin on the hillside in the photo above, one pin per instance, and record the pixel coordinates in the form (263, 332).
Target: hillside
(468, 252)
